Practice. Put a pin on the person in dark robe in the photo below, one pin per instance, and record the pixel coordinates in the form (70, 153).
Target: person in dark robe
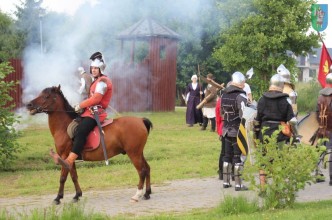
(193, 96)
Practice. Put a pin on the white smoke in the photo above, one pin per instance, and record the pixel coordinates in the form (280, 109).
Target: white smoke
(70, 40)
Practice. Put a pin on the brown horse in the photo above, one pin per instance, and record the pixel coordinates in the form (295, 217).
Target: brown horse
(126, 135)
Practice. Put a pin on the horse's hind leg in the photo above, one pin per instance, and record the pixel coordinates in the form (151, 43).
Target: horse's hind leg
(142, 170)
(147, 181)
(74, 177)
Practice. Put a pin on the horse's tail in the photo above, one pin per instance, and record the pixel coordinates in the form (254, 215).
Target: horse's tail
(148, 124)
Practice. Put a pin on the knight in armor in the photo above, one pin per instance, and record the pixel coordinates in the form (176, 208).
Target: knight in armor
(85, 81)
(273, 108)
(324, 116)
(209, 106)
(232, 100)
(96, 104)
(289, 88)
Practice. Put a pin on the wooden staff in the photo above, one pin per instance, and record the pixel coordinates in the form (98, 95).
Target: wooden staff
(199, 83)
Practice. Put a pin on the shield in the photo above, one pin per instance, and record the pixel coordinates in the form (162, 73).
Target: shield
(319, 16)
(307, 127)
(244, 138)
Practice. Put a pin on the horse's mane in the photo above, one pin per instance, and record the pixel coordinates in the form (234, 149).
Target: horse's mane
(68, 108)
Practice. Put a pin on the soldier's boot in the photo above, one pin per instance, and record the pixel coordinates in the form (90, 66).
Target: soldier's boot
(205, 123)
(238, 167)
(213, 124)
(227, 169)
(67, 163)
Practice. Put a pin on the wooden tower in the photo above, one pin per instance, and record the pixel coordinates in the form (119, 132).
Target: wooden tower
(145, 77)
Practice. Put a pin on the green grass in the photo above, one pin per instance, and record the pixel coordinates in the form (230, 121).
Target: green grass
(174, 151)
(309, 211)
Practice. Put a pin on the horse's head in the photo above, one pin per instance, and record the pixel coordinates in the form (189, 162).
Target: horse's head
(51, 100)
(45, 101)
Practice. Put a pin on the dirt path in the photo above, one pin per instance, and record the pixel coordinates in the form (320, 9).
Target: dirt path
(175, 196)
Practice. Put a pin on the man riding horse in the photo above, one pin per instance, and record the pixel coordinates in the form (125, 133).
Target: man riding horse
(93, 108)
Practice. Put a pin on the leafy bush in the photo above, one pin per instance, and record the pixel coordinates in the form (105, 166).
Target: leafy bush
(288, 169)
(8, 135)
(307, 96)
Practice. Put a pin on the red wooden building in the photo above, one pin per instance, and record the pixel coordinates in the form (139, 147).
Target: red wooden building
(145, 78)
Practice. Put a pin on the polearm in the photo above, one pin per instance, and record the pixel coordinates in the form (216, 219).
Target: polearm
(199, 83)
(214, 84)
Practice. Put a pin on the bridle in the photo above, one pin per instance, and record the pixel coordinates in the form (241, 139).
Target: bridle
(47, 108)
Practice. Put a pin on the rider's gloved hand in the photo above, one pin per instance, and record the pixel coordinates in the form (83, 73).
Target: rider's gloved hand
(77, 108)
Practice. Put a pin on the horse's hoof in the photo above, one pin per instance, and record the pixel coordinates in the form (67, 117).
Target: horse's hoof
(133, 200)
(56, 202)
(146, 197)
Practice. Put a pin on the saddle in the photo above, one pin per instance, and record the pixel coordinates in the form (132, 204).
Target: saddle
(93, 139)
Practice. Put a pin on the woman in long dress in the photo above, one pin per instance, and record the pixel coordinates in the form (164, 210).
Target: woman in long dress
(193, 93)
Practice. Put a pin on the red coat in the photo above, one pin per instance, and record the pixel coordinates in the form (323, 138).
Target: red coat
(219, 118)
(98, 99)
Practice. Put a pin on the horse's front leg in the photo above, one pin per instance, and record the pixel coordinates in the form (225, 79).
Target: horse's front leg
(63, 178)
(74, 177)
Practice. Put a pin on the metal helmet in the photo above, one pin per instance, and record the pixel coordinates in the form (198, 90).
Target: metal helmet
(284, 72)
(97, 61)
(328, 78)
(277, 82)
(238, 79)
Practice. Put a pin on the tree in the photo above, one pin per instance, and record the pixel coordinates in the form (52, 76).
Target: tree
(8, 38)
(265, 37)
(199, 31)
(8, 134)
(28, 14)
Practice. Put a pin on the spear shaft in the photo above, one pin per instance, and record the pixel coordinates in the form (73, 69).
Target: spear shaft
(199, 83)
